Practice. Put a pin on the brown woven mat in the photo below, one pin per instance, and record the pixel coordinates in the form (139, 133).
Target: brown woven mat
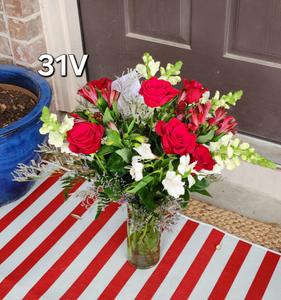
(267, 235)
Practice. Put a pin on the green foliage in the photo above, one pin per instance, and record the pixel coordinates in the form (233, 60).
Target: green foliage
(68, 183)
(226, 100)
(203, 139)
(146, 198)
(116, 164)
(114, 139)
(126, 154)
(137, 186)
(107, 117)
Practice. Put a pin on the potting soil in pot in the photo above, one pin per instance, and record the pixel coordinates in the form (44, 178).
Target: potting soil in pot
(15, 103)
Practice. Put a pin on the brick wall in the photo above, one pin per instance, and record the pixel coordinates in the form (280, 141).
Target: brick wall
(21, 36)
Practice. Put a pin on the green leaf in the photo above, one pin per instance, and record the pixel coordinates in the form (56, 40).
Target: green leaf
(113, 139)
(106, 150)
(205, 193)
(115, 108)
(101, 104)
(146, 198)
(200, 185)
(125, 153)
(185, 199)
(115, 164)
(141, 184)
(131, 126)
(107, 116)
(202, 139)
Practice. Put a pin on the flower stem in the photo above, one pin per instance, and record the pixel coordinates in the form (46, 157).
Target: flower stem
(100, 163)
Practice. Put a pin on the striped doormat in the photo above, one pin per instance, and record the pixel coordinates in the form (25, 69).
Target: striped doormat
(54, 249)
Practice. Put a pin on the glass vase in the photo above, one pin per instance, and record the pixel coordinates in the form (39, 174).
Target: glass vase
(143, 238)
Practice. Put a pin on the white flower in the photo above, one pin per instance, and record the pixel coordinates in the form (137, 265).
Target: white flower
(56, 138)
(136, 169)
(205, 97)
(67, 124)
(216, 171)
(173, 184)
(184, 167)
(45, 129)
(145, 152)
(154, 67)
(142, 70)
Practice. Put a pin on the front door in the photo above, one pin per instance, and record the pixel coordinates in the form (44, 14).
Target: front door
(227, 45)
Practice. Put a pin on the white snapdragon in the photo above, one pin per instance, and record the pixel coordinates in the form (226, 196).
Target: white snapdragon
(173, 184)
(205, 97)
(67, 124)
(144, 150)
(48, 127)
(216, 171)
(186, 168)
(56, 138)
(150, 67)
(136, 168)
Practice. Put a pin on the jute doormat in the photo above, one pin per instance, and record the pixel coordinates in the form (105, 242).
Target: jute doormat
(264, 234)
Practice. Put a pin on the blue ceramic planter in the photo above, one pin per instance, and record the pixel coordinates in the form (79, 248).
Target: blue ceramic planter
(19, 139)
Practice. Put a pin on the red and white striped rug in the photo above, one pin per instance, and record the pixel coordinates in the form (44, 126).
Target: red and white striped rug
(46, 253)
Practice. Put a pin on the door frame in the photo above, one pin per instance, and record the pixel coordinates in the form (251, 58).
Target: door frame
(61, 23)
(61, 26)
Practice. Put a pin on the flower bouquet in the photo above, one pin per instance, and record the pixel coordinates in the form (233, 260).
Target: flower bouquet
(147, 141)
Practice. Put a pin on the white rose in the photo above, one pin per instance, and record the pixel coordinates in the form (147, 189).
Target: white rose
(173, 184)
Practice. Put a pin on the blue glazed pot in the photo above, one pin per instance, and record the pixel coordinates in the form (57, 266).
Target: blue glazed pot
(19, 140)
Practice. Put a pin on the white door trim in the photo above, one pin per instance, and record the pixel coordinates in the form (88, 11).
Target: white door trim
(62, 31)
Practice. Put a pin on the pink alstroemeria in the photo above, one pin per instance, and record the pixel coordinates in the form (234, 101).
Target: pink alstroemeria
(110, 96)
(198, 115)
(103, 86)
(89, 93)
(225, 123)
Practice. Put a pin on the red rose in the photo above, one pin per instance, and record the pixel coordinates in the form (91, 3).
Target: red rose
(203, 157)
(192, 91)
(85, 137)
(157, 92)
(176, 139)
(102, 83)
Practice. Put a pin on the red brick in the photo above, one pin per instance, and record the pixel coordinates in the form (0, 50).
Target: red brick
(21, 8)
(2, 24)
(1, 6)
(25, 30)
(28, 53)
(4, 46)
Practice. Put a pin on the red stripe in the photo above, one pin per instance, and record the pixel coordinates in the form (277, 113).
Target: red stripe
(198, 266)
(22, 206)
(117, 283)
(230, 271)
(161, 271)
(44, 283)
(34, 224)
(263, 276)
(96, 264)
(18, 273)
